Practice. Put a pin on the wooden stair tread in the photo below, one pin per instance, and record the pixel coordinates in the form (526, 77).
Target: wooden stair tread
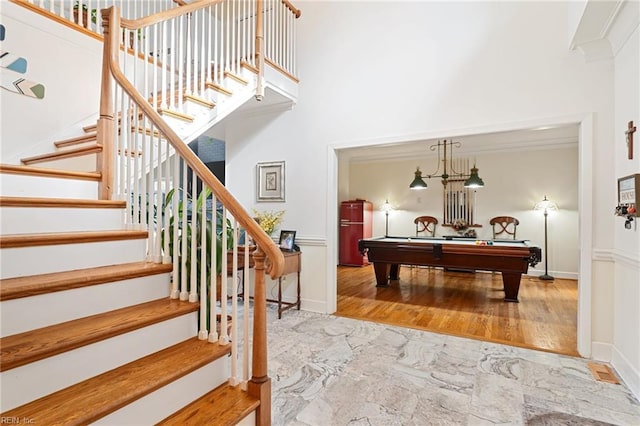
(218, 88)
(94, 398)
(56, 238)
(44, 172)
(200, 101)
(90, 128)
(60, 155)
(236, 78)
(225, 405)
(89, 137)
(61, 202)
(176, 114)
(246, 65)
(15, 288)
(23, 348)
(94, 127)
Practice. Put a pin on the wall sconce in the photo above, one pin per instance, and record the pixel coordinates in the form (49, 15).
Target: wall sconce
(473, 181)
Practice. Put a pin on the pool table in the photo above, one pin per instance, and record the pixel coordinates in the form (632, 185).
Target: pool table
(509, 257)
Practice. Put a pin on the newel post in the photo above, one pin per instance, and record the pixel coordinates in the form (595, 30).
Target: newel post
(260, 384)
(105, 134)
(260, 49)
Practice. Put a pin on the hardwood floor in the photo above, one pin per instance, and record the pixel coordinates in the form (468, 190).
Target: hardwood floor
(466, 304)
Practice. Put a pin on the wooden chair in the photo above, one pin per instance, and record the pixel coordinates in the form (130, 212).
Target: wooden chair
(426, 224)
(504, 225)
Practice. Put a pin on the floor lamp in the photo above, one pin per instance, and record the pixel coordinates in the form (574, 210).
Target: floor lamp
(386, 207)
(546, 206)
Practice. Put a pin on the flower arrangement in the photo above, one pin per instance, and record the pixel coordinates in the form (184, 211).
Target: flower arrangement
(459, 225)
(268, 220)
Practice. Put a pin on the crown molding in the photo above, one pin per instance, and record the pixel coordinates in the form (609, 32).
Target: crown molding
(419, 150)
(604, 27)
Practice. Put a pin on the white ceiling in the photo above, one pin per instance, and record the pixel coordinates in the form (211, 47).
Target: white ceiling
(518, 140)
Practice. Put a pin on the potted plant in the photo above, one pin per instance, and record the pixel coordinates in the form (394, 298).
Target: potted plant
(132, 38)
(186, 205)
(85, 14)
(269, 221)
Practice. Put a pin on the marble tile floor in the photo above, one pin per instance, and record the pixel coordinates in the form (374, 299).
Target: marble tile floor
(334, 371)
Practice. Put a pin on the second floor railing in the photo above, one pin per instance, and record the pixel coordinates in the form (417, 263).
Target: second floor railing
(277, 36)
(86, 13)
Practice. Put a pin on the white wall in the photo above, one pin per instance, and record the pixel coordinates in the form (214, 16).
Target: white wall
(514, 182)
(67, 63)
(374, 73)
(626, 253)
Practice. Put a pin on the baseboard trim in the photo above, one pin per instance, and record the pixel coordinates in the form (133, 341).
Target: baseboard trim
(317, 306)
(533, 273)
(626, 371)
(601, 351)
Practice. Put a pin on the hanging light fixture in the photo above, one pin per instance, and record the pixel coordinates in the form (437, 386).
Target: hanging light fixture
(473, 181)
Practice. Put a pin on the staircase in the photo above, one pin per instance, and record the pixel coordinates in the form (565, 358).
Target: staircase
(97, 325)
(89, 333)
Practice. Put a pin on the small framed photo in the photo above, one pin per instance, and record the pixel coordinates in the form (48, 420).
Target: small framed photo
(287, 240)
(270, 181)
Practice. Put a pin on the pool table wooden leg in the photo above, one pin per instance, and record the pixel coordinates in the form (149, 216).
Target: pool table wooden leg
(382, 274)
(511, 282)
(394, 272)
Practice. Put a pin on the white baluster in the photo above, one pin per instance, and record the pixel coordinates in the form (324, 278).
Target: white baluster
(234, 308)
(213, 332)
(224, 337)
(245, 313)
(203, 333)
(183, 245)
(175, 255)
(193, 276)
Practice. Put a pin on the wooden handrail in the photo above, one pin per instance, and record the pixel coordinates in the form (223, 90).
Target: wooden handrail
(43, 12)
(292, 8)
(165, 15)
(112, 49)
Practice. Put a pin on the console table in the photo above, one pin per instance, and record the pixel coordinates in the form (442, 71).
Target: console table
(292, 264)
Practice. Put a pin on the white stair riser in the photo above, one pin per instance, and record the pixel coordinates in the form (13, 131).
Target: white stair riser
(23, 261)
(214, 96)
(29, 220)
(165, 401)
(196, 110)
(84, 163)
(29, 382)
(30, 313)
(36, 186)
(250, 420)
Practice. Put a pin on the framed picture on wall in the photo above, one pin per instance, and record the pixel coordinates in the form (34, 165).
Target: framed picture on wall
(287, 240)
(270, 181)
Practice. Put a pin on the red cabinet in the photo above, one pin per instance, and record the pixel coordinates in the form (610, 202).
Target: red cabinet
(356, 223)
